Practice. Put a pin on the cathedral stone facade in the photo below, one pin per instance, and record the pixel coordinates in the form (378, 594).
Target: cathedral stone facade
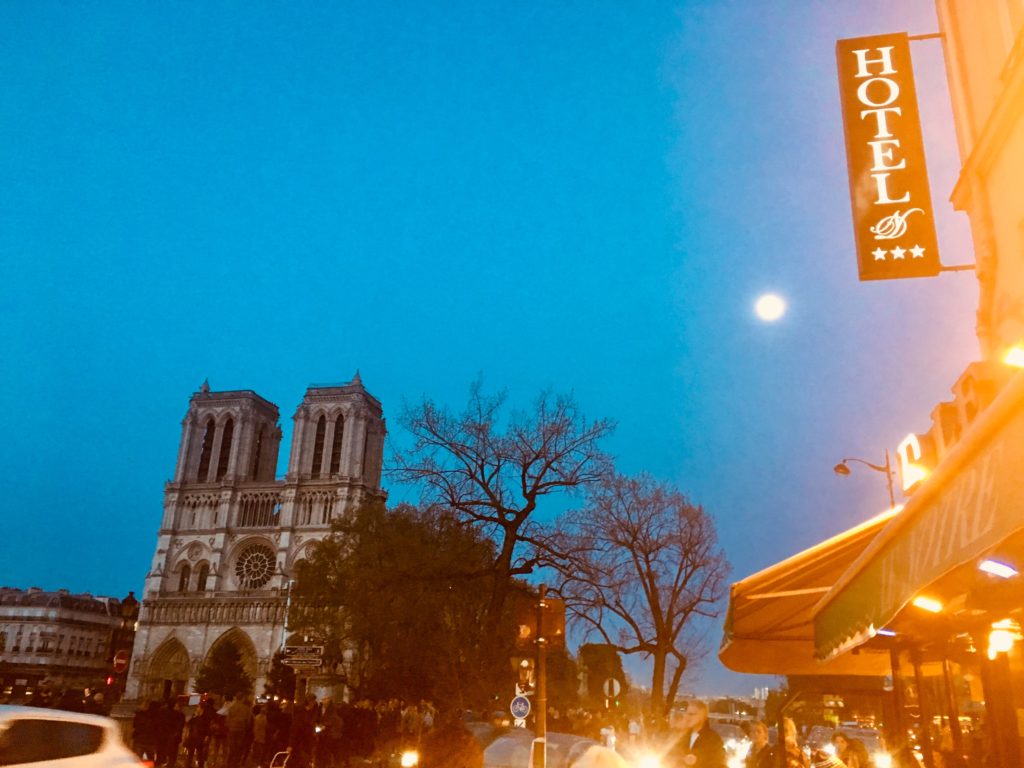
(232, 533)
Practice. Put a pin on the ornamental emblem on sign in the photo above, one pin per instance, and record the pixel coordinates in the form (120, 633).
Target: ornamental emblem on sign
(892, 226)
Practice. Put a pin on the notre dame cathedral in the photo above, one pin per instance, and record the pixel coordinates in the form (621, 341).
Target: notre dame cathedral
(232, 532)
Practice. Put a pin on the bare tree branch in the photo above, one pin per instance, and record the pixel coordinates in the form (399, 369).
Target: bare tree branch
(641, 558)
(495, 472)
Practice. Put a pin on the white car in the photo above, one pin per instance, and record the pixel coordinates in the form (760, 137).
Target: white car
(52, 737)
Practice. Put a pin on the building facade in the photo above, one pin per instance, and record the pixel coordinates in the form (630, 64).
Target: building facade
(232, 534)
(931, 593)
(984, 53)
(64, 639)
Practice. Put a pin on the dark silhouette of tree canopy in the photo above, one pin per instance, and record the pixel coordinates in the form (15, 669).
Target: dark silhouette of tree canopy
(644, 563)
(223, 672)
(280, 679)
(407, 588)
(600, 662)
(494, 472)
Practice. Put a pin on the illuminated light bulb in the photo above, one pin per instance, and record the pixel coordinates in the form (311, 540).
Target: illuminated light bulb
(999, 641)
(996, 568)
(913, 474)
(927, 604)
(886, 633)
(1015, 356)
(1002, 637)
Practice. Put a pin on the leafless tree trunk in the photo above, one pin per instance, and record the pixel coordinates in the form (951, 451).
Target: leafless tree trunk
(496, 471)
(645, 562)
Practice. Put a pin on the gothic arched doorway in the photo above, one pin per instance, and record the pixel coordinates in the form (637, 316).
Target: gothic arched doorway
(167, 673)
(226, 647)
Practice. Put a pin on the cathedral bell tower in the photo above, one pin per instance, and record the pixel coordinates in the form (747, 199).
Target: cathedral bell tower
(232, 534)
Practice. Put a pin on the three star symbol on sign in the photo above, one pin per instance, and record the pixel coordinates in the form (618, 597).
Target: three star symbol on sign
(917, 252)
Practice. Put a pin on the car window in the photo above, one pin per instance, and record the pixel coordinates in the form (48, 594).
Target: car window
(34, 740)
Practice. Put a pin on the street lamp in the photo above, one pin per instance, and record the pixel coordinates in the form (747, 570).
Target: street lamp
(842, 469)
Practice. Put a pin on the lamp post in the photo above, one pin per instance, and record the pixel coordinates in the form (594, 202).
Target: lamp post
(842, 469)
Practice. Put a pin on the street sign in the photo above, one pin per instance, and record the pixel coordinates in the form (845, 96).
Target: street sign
(612, 688)
(303, 650)
(520, 707)
(121, 661)
(303, 656)
(303, 662)
(893, 218)
(552, 618)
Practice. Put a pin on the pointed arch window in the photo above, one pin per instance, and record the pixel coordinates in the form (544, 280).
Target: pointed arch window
(257, 450)
(318, 447)
(183, 578)
(225, 448)
(204, 575)
(339, 431)
(207, 452)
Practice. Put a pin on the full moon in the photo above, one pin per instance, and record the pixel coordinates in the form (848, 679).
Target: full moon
(770, 307)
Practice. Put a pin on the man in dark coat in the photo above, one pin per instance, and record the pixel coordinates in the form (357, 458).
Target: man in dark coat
(698, 746)
(303, 736)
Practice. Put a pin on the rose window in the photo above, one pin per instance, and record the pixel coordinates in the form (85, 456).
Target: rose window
(255, 566)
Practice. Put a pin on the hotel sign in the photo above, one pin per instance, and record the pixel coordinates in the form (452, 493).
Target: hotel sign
(893, 219)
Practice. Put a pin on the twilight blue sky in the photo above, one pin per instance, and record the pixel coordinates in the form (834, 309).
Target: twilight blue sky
(586, 196)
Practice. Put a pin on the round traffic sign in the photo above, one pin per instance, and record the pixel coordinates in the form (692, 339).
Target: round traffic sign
(612, 688)
(121, 661)
(520, 707)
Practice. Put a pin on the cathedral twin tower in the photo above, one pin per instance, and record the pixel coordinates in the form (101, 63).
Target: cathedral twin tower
(232, 533)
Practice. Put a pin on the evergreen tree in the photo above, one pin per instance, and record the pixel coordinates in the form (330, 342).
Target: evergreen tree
(223, 672)
(280, 679)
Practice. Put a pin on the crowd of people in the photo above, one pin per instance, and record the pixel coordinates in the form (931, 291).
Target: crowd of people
(233, 732)
(45, 694)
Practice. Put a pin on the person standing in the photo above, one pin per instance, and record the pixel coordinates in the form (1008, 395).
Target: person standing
(758, 744)
(144, 730)
(172, 723)
(239, 726)
(260, 727)
(198, 735)
(698, 746)
(302, 743)
(795, 757)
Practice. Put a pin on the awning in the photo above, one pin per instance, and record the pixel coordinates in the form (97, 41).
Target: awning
(768, 627)
(972, 502)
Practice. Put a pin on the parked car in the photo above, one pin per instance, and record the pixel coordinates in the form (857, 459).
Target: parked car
(36, 736)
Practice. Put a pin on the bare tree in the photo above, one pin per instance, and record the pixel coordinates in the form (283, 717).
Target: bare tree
(496, 472)
(645, 563)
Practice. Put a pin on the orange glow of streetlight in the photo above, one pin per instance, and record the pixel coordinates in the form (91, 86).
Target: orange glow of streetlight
(929, 604)
(1015, 356)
